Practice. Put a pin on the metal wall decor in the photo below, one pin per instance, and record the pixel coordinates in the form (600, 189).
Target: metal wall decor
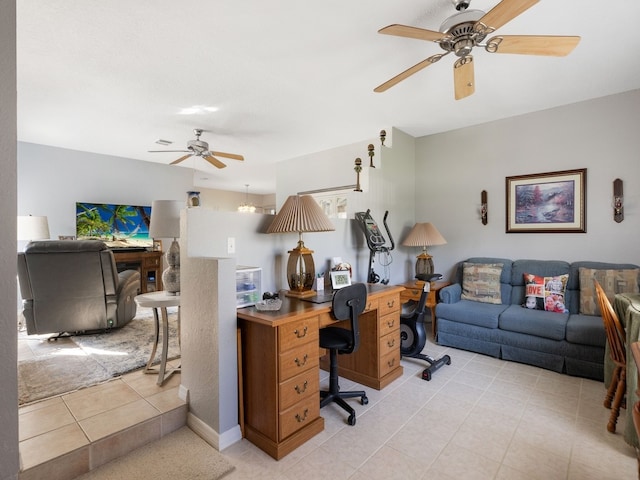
(618, 201)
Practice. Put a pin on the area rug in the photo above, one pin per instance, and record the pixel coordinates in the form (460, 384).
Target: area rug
(92, 359)
(179, 455)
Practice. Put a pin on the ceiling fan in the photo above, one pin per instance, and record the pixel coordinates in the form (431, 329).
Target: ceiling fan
(200, 148)
(467, 29)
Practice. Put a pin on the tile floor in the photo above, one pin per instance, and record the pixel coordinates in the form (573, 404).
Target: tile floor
(66, 436)
(478, 418)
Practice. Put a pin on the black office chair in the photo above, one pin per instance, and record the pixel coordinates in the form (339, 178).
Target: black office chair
(348, 303)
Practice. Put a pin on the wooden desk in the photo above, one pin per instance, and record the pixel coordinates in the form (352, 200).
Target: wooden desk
(280, 365)
(413, 290)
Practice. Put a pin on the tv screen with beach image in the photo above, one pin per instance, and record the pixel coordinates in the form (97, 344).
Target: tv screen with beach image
(119, 226)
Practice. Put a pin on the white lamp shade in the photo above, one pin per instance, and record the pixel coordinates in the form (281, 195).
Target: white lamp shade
(32, 227)
(423, 235)
(165, 219)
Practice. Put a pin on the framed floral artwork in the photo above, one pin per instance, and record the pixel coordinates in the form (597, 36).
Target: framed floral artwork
(553, 202)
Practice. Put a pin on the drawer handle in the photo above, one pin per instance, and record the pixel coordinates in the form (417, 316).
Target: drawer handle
(368, 306)
(301, 335)
(303, 389)
(391, 343)
(303, 362)
(392, 362)
(415, 292)
(391, 303)
(391, 323)
(302, 418)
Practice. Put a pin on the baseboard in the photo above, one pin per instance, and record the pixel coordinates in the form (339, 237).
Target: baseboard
(213, 438)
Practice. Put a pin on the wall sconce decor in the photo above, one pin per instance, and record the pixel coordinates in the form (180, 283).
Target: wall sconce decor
(383, 136)
(618, 201)
(484, 207)
(371, 154)
(358, 169)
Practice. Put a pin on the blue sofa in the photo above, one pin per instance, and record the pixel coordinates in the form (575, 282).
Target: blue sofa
(571, 342)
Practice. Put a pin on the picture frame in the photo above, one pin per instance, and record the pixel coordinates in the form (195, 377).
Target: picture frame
(157, 245)
(552, 202)
(340, 279)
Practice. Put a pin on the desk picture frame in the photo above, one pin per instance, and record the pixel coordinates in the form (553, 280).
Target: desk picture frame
(340, 279)
(552, 202)
(157, 245)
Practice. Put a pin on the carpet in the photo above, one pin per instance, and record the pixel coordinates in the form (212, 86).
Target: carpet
(90, 359)
(179, 455)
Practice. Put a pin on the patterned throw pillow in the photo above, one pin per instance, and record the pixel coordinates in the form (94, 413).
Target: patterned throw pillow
(481, 282)
(545, 293)
(611, 281)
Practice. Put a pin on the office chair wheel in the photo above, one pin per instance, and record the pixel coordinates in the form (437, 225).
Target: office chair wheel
(352, 419)
(364, 400)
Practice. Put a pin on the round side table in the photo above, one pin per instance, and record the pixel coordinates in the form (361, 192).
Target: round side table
(159, 301)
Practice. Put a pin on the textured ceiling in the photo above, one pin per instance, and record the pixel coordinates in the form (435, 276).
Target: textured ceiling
(287, 77)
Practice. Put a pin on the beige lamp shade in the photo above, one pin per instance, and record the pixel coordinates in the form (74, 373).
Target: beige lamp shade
(165, 223)
(300, 213)
(424, 235)
(31, 227)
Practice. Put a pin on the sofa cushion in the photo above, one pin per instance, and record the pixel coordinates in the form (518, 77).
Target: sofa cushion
(612, 281)
(471, 312)
(534, 322)
(546, 293)
(586, 330)
(481, 282)
(542, 268)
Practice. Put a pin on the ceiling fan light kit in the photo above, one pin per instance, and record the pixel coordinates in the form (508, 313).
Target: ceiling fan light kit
(466, 29)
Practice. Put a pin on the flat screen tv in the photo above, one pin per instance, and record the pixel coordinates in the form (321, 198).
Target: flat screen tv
(119, 226)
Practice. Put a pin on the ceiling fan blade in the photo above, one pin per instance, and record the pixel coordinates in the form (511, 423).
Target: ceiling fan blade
(412, 32)
(164, 151)
(557, 46)
(180, 159)
(408, 72)
(502, 13)
(214, 161)
(234, 156)
(463, 77)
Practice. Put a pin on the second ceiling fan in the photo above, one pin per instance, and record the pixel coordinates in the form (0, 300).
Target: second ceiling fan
(467, 29)
(200, 148)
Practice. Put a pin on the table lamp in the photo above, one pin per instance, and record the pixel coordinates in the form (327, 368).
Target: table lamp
(165, 223)
(300, 213)
(32, 227)
(424, 235)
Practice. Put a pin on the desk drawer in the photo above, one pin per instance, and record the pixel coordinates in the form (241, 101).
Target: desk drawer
(389, 323)
(389, 362)
(388, 304)
(298, 416)
(299, 388)
(390, 343)
(371, 305)
(299, 360)
(152, 262)
(294, 334)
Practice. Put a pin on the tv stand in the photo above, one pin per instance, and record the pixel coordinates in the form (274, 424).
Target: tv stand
(149, 264)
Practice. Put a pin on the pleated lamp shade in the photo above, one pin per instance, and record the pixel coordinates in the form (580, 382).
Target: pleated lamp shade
(300, 213)
(424, 235)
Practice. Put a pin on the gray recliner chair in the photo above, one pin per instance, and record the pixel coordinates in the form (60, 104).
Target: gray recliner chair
(74, 287)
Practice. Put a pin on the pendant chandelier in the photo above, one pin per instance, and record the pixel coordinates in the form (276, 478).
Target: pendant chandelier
(247, 207)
